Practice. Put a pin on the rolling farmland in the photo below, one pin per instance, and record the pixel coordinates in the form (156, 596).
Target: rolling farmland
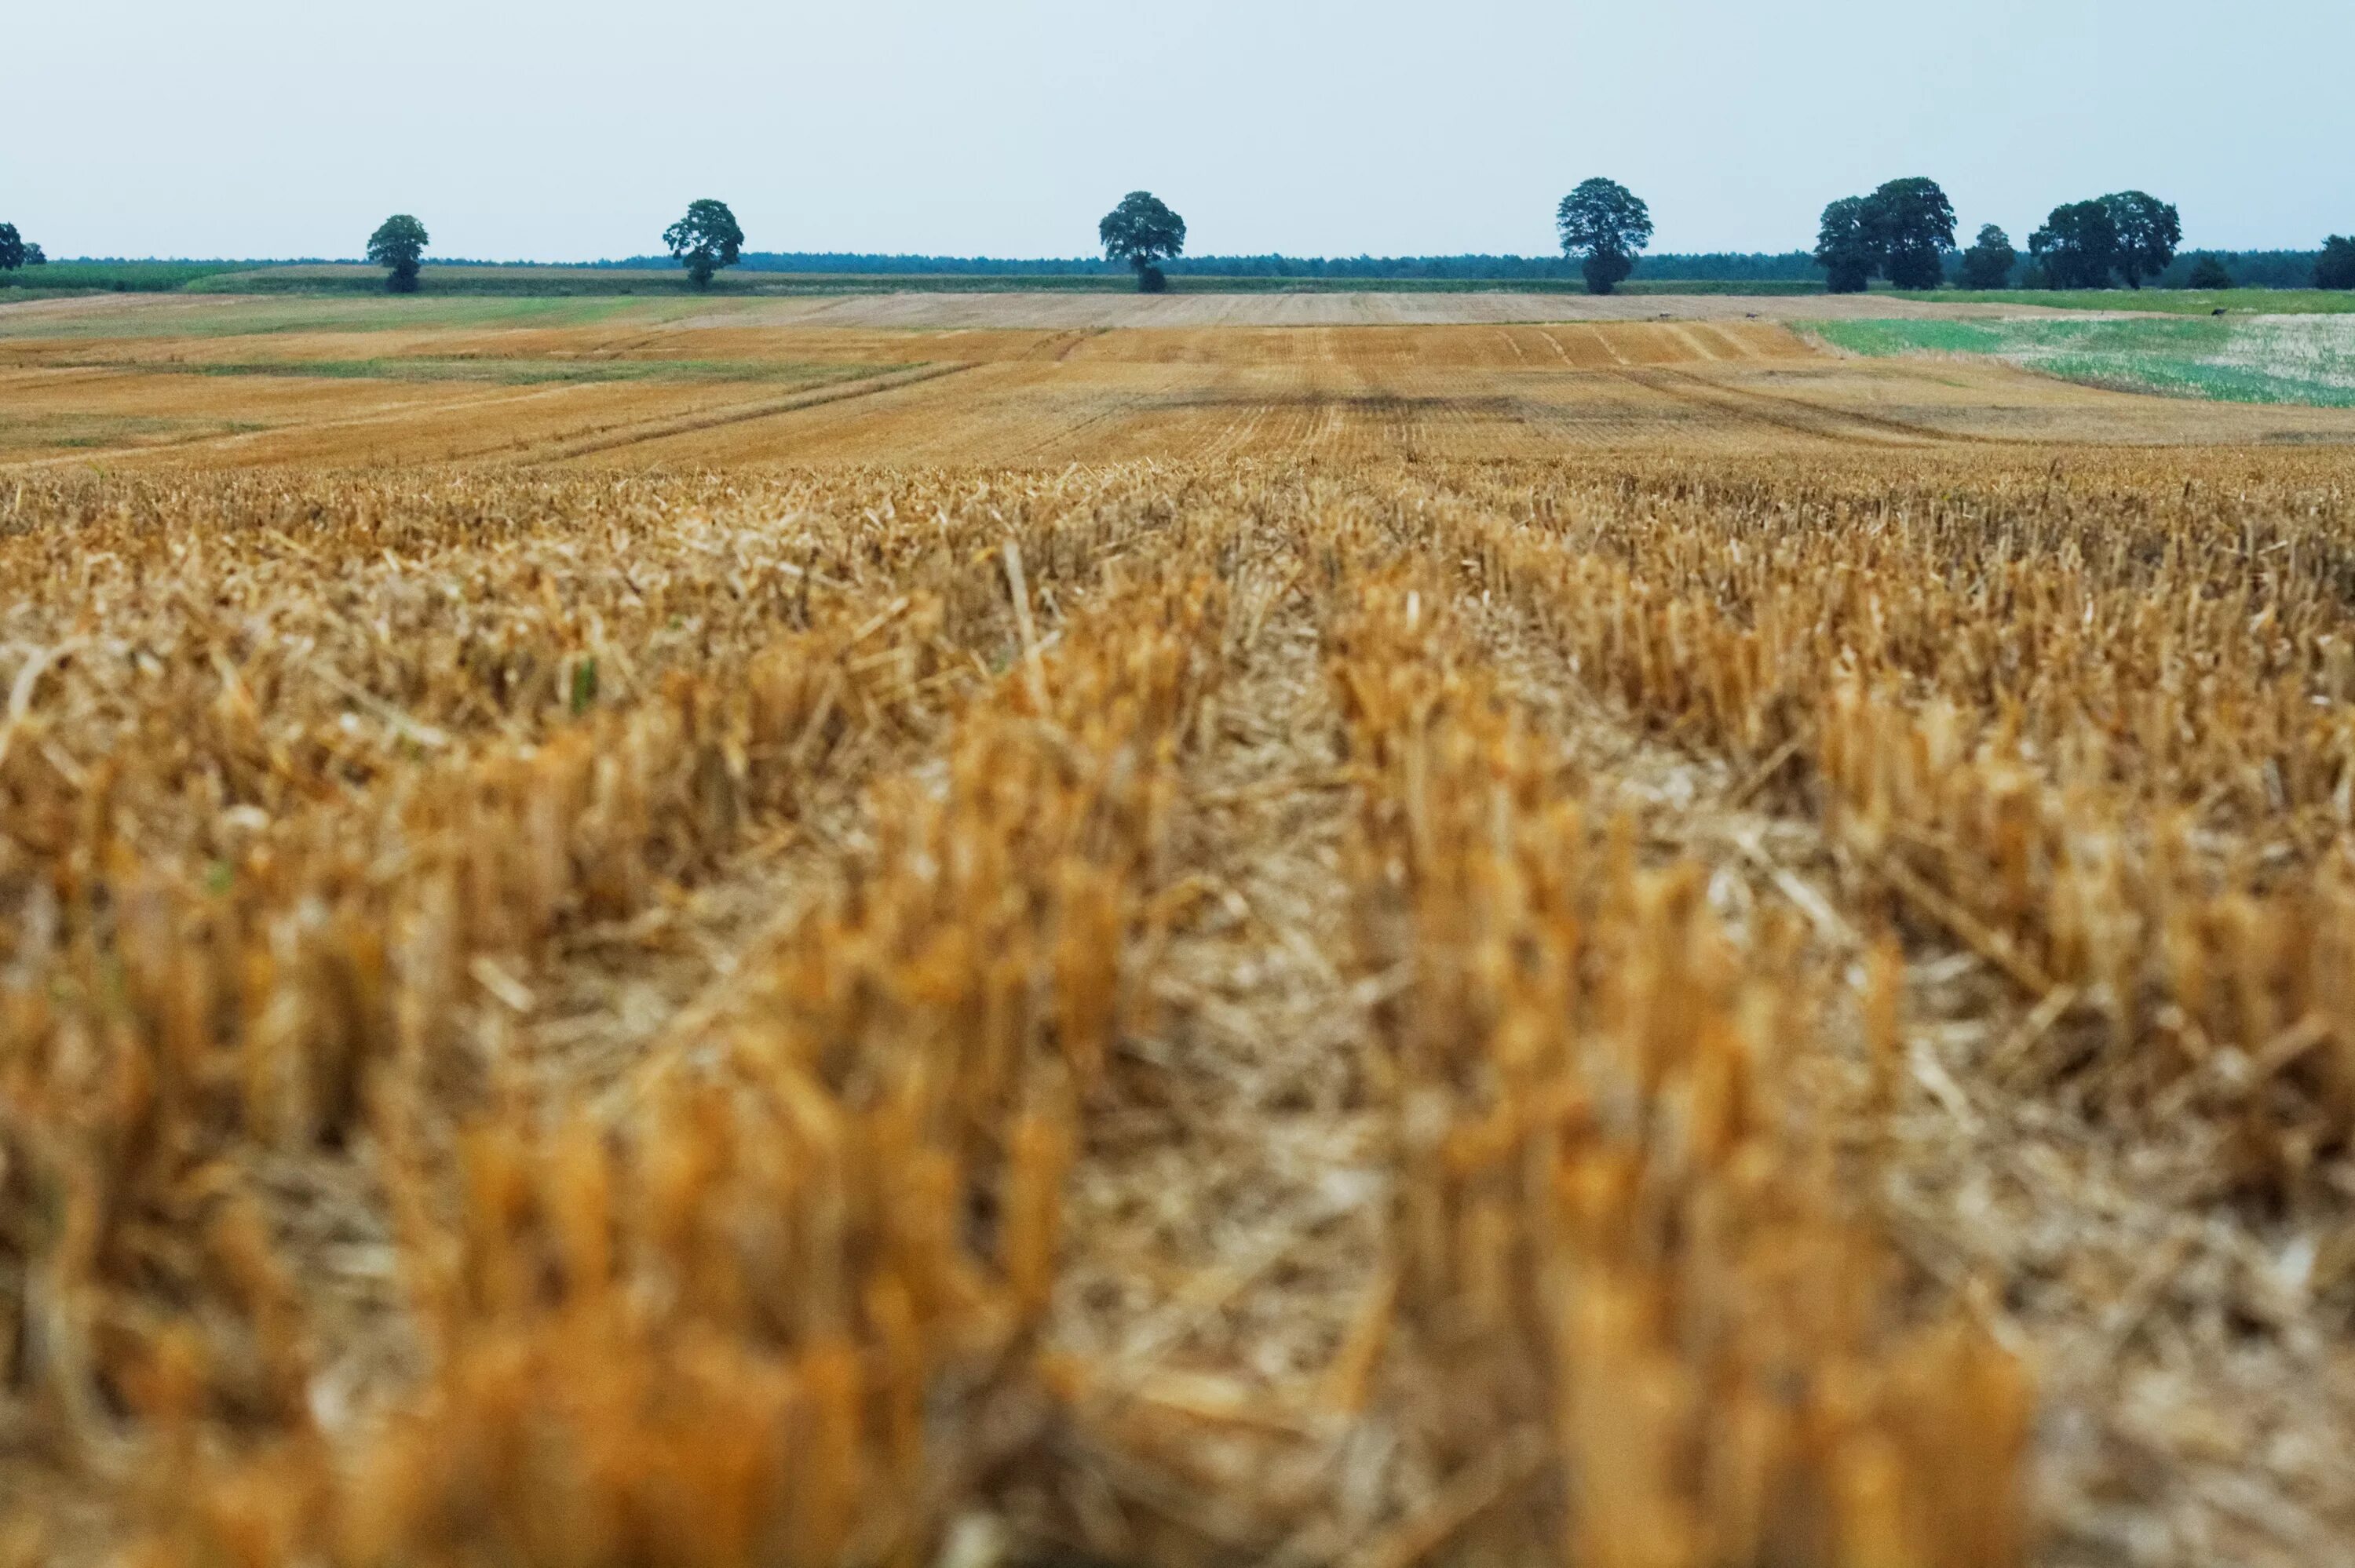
(1335, 929)
(1015, 379)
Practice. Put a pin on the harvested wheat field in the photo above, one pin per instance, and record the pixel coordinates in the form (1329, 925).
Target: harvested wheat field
(1015, 380)
(1620, 944)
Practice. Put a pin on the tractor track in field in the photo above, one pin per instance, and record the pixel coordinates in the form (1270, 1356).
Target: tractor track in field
(1797, 415)
(690, 424)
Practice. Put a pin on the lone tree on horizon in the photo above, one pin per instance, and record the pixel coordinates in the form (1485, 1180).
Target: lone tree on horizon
(706, 239)
(12, 247)
(1607, 223)
(1143, 232)
(398, 242)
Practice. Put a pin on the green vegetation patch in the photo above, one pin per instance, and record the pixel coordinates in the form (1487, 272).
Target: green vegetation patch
(379, 313)
(2307, 359)
(114, 276)
(23, 435)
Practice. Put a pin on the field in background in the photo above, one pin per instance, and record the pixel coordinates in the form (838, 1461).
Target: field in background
(240, 381)
(110, 277)
(296, 278)
(2262, 359)
(983, 930)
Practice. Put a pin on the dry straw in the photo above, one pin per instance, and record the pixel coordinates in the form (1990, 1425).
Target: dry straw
(584, 1020)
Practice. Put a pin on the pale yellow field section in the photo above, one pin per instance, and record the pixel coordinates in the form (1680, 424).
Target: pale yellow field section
(1017, 379)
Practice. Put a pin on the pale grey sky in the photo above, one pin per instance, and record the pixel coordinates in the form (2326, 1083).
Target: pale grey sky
(567, 129)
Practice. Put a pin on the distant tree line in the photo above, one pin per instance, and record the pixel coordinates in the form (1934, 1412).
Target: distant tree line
(2189, 270)
(1724, 265)
(2247, 268)
(1904, 232)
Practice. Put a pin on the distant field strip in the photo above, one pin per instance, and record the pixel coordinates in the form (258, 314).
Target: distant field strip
(338, 383)
(198, 314)
(2264, 359)
(508, 371)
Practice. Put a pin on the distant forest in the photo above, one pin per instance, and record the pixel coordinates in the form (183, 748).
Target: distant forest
(1722, 267)
(2249, 268)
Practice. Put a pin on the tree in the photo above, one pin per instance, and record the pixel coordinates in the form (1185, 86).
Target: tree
(1911, 227)
(397, 243)
(2078, 246)
(1143, 232)
(706, 239)
(35, 256)
(1607, 223)
(1844, 246)
(1989, 262)
(2335, 269)
(2148, 231)
(2208, 273)
(12, 247)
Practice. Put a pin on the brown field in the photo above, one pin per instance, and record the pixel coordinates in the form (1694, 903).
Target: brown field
(958, 933)
(1009, 379)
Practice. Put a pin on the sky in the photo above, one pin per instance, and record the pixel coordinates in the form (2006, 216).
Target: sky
(535, 129)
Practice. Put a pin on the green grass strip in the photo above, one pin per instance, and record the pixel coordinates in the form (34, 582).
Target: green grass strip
(2307, 360)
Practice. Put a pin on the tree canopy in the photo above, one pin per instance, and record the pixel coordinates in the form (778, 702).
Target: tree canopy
(35, 256)
(1607, 224)
(12, 247)
(2209, 273)
(1844, 245)
(1989, 262)
(1141, 232)
(706, 239)
(2147, 229)
(2077, 246)
(1911, 227)
(2335, 269)
(398, 242)
(1903, 231)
